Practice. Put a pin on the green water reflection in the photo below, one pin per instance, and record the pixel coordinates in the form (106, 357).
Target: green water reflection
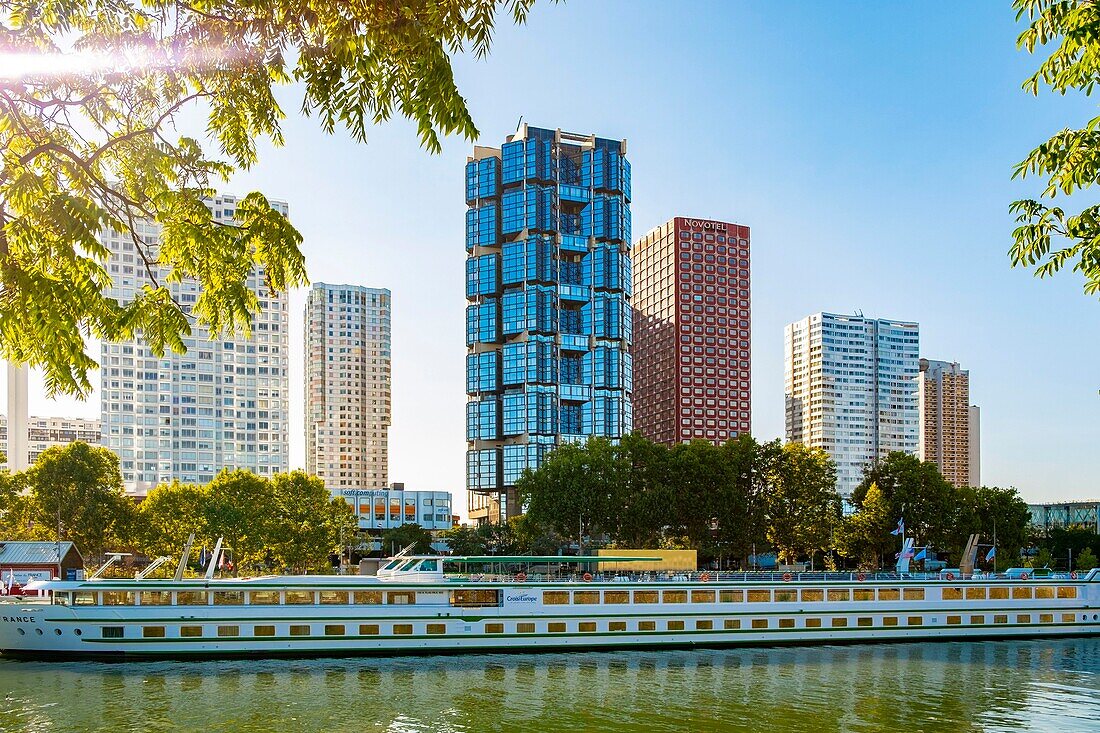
(994, 686)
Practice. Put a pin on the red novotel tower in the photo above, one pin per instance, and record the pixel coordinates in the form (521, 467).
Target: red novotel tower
(691, 331)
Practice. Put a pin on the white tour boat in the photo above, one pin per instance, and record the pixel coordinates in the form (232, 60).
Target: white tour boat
(413, 607)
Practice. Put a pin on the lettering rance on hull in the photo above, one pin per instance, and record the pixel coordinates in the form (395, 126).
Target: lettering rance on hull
(18, 619)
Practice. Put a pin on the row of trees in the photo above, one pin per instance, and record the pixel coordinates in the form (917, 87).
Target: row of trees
(728, 500)
(289, 520)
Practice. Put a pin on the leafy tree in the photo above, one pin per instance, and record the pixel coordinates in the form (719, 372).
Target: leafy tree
(803, 507)
(916, 491)
(1043, 559)
(169, 514)
(80, 486)
(241, 509)
(643, 507)
(465, 541)
(1086, 560)
(864, 537)
(1049, 237)
(741, 504)
(1003, 515)
(88, 144)
(531, 538)
(397, 538)
(308, 522)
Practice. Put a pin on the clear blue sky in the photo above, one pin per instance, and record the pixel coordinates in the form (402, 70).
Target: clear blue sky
(869, 146)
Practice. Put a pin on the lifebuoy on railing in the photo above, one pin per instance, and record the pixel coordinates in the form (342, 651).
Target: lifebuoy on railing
(786, 577)
(1073, 575)
(587, 577)
(951, 576)
(705, 577)
(861, 577)
(521, 577)
(1024, 576)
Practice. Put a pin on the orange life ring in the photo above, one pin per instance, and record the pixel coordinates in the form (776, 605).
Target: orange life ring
(521, 576)
(587, 577)
(1073, 575)
(861, 577)
(786, 577)
(1024, 576)
(705, 577)
(951, 576)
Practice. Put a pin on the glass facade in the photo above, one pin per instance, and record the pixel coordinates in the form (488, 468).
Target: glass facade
(548, 317)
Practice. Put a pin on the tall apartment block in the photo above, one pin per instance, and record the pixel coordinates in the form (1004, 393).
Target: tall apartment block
(947, 437)
(548, 319)
(222, 404)
(851, 388)
(692, 331)
(47, 432)
(347, 390)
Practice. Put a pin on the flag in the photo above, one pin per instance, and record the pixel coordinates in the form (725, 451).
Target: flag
(901, 527)
(922, 555)
(991, 554)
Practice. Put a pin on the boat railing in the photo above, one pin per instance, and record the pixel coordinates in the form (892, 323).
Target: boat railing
(761, 576)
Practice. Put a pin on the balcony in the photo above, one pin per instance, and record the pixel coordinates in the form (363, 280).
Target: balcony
(572, 342)
(574, 193)
(575, 293)
(574, 392)
(574, 243)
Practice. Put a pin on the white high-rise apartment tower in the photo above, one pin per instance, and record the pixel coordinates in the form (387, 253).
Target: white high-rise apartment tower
(348, 385)
(222, 404)
(851, 388)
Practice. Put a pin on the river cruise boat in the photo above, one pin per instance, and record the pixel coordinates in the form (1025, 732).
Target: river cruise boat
(415, 605)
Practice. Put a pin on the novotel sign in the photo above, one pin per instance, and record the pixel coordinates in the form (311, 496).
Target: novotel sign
(715, 226)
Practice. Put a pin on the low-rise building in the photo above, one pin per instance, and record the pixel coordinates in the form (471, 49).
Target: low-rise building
(380, 509)
(46, 432)
(22, 562)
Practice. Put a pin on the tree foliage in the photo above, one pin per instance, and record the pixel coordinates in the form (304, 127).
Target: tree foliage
(308, 522)
(397, 538)
(803, 508)
(169, 514)
(1049, 237)
(88, 144)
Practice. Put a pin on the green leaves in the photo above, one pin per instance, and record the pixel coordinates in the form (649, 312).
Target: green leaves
(86, 151)
(1047, 238)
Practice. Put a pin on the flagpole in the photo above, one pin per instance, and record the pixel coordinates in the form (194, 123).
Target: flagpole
(994, 544)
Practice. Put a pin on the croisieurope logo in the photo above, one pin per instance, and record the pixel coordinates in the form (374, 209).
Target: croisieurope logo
(522, 598)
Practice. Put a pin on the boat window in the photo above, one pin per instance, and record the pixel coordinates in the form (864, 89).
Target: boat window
(813, 623)
(616, 596)
(760, 623)
(334, 597)
(264, 598)
(470, 598)
(1021, 592)
(1046, 618)
(839, 594)
(675, 596)
(998, 594)
(84, 598)
(392, 565)
(118, 598)
(429, 566)
(704, 625)
(524, 628)
(1023, 618)
(401, 597)
(152, 632)
(1068, 618)
(1044, 591)
(612, 625)
(811, 595)
(156, 598)
(368, 629)
(702, 596)
(975, 594)
(590, 626)
(913, 594)
(228, 597)
(915, 621)
(368, 597)
(263, 631)
(977, 620)
(863, 594)
(954, 620)
(864, 621)
(555, 597)
(299, 629)
(731, 596)
(645, 596)
(334, 629)
(889, 620)
(951, 594)
(786, 623)
(1000, 618)
(760, 596)
(889, 594)
(586, 597)
(403, 629)
(229, 631)
(299, 597)
(408, 566)
(1067, 591)
(437, 628)
(114, 632)
(190, 632)
(785, 596)
(644, 626)
(61, 598)
(673, 625)
(839, 623)
(557, 627)
(191, 598)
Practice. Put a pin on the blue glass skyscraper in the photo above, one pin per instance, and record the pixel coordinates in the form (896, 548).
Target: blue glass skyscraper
(548, 318)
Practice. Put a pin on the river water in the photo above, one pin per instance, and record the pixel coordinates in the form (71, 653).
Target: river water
(981, 686)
